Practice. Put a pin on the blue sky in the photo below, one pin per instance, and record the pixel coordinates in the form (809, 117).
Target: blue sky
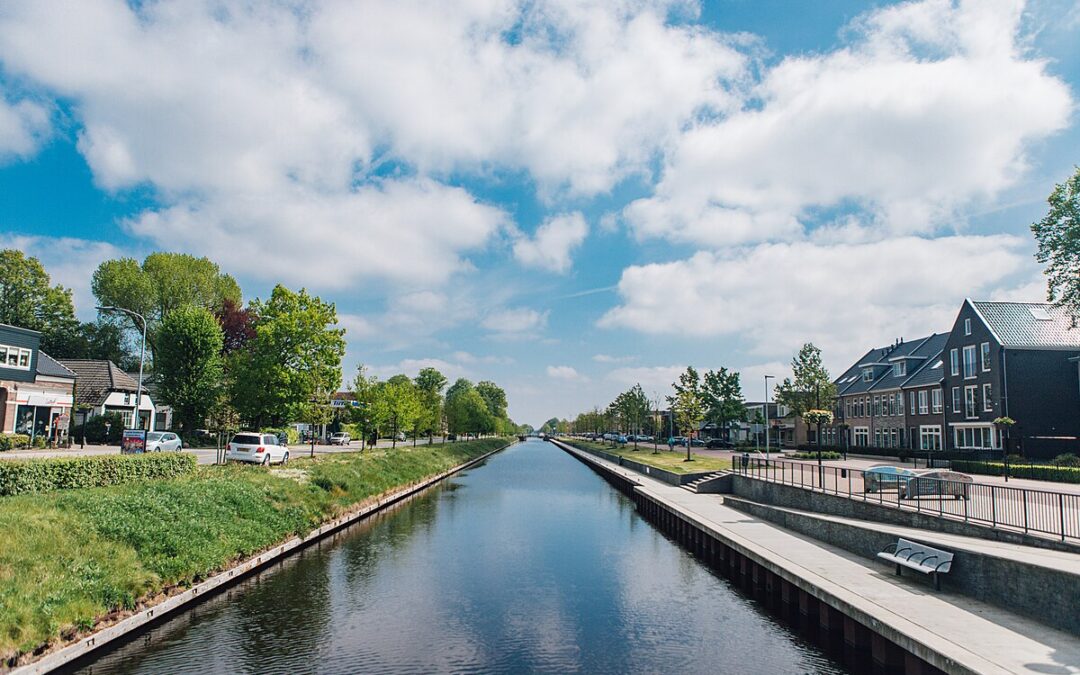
(567, 197)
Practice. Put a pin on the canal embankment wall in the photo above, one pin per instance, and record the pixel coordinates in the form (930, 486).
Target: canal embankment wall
(85, 647)
(669, 477)
(871, 632)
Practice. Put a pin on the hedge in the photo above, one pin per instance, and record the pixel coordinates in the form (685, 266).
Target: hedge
(65, 473)
(1060, 474)
(13, 441)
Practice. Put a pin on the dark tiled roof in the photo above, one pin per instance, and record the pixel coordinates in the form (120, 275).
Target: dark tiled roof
(1015, 324)
(50, 367)
(96, 379)
(927, 373)
(852, 375)
(879, 360)
(921, 353)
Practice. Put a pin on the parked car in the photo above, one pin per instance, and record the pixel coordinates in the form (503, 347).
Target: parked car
(340, 438)
(400, 436)
(256, 448)
(676, 440)
(883, 477)
(719, 443)
(937, 483)
(621, 439)
(451, 437)
(697, 443)
(645, 439)
(160, 441)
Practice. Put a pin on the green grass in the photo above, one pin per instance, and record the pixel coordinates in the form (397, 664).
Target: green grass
(69, 558)
(674, 462)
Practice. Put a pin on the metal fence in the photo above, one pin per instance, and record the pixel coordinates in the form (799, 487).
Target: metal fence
(1033, 511)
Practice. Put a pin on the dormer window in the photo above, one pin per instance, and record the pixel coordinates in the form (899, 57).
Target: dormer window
(967, 326)
(868, 374)
(15, 357)
(899, 369)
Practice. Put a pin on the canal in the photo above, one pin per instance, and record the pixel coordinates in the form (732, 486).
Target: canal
(529, 562)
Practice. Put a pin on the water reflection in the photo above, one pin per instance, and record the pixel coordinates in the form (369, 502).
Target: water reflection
(530, 563)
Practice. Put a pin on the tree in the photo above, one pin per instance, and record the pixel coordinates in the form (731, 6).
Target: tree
(237, 325)
(723, 398)
(294, 358)
(494, 397)
(367, 415)
(189, 365)
(162, 283)
(635, 408)
(466, 409)
(687, 405)
(429, 385)
(28, 300)
(1058, 236)
(399, 404)
(812, 387)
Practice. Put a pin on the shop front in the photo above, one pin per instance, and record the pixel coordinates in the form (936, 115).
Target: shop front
(42, 414)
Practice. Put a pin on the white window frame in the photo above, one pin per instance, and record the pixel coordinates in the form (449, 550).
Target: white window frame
(911, 402)
(973, 373)
(862, 433)
(988, 399)
(984, 356)
(930, 437)
(924, 403)
(868, 374)
(14, 357)
(967, 326)
(971, 401)
(954, 361)
(936, 403)
(899, 369)
(957, 400)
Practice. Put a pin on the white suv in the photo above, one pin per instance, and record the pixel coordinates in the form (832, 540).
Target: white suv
(256, 448)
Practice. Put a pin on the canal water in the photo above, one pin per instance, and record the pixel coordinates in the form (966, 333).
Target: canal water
(529, 562)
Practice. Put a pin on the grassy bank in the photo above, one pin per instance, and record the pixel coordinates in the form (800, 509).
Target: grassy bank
(674, 462)
(71, 558)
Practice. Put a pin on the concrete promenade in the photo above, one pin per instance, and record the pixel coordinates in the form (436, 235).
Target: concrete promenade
(950, 631)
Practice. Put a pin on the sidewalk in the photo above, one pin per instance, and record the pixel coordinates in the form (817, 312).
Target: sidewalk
(950, 630)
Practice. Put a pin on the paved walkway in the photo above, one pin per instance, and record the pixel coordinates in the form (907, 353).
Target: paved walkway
(975, 636)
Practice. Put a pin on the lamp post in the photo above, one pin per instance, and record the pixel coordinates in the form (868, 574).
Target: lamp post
(766, 406)
(136, 423)
(1004, 424)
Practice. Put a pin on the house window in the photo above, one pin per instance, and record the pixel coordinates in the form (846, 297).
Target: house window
(862, 436)
(985, 347)
(954, 362)
(988, 400)
(967, 326)
(15, 357)
(974, 437)
(923, 403)
(899, 403)
(970, 409)
(969, 361)
(899, 369)
(936, 401)
(911, 401)
(868, 374)
(877, 439)
(877, 406)
(930, 437)
(956, 399)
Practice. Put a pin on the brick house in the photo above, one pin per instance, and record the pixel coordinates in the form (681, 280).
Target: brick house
(1017, 360)
(925, 417)
(105, 388)
(36, 392)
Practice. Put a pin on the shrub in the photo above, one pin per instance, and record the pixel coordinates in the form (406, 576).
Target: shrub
(65, 473)
(95, 429)
(1060, 474)
(1067, 459)
(825, 454)
(13, 441)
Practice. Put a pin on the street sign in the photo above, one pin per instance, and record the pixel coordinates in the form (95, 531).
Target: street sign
(343, 403)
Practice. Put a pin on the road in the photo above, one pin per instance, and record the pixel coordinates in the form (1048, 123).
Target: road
(204, 455)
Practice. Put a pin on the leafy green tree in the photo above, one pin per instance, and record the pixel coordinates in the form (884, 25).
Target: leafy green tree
(189, 365)
(399, 404)
(635, 408)
(1058, 236)
(29, 300)
(429, 385)
(294, 358)
(466, 410)
(812, 388)
(493, 396)
(162, 283)
(723, 398)
(367, 415)
(687, 404)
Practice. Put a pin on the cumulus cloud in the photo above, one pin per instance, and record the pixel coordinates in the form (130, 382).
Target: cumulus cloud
(564, 373)
(69, 261)
(516, 321)
(930, 107)
(23, 125)
(550, 247)
(607, 358)
(842, 296)
(653, 379)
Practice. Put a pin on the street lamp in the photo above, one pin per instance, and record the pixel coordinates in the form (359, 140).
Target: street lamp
(142, 356)
(766, 406)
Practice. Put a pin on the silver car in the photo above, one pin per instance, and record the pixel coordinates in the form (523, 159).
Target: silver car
(161, 441)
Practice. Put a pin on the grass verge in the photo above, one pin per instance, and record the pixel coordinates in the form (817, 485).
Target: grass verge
(674, 462)
(71, 559)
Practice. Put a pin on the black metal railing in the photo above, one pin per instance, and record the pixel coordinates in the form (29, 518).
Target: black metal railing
(1042, 512)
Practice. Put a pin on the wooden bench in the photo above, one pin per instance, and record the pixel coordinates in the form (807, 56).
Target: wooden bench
(919, 557)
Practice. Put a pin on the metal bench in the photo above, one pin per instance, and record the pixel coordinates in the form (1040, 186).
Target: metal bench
(919, 557)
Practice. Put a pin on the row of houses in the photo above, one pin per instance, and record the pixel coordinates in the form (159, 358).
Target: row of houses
(41, 396)
(944, 391)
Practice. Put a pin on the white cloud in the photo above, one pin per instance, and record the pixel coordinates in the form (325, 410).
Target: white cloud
(23, 125)
(554, 241)
(69, 261)
(515, 321)
(412, 367)
(842, 297)
(607, 358)
(565, 373)
(654, 380)
(930, 108)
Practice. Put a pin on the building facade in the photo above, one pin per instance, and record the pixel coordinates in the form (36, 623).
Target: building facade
(105, 388)
(36, 392)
